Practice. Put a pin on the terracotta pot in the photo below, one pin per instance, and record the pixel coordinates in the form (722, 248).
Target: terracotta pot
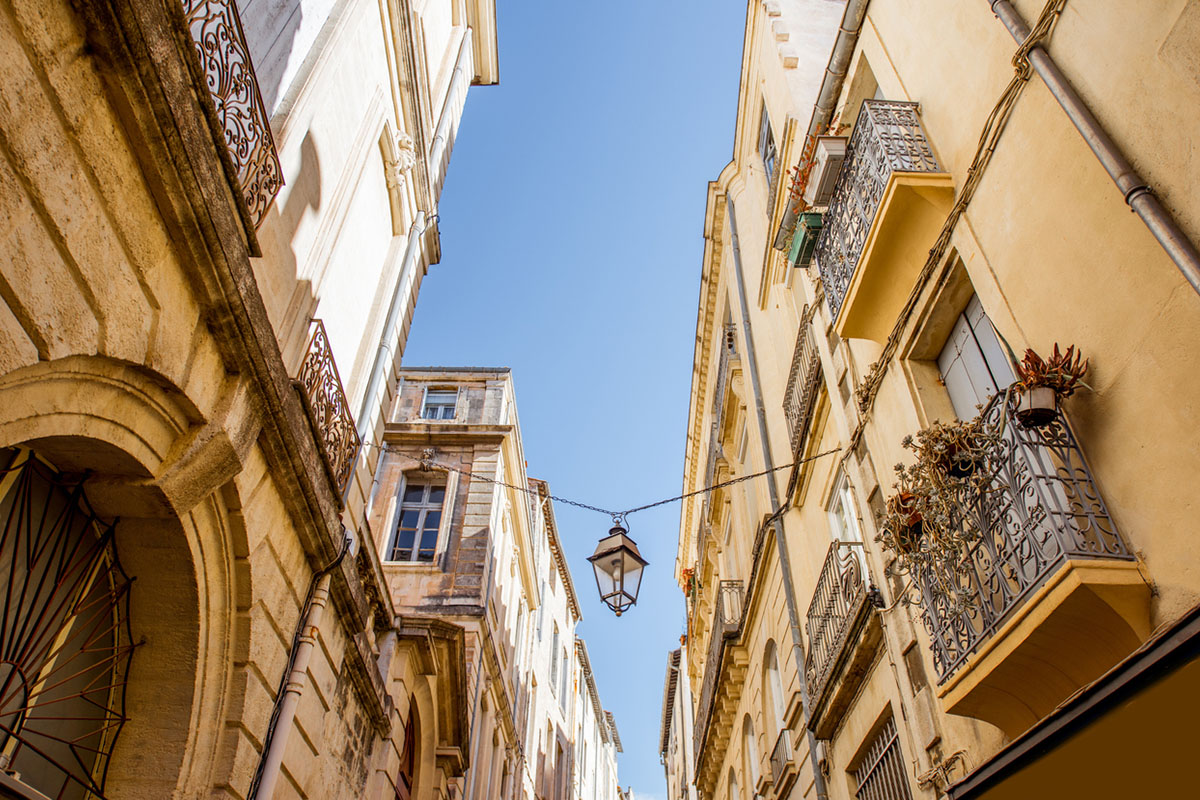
(1038, 407)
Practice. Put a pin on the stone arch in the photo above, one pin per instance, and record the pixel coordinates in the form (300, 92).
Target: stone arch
(149, 457)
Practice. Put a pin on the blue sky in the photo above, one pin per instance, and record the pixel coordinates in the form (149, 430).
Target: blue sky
(571, 227)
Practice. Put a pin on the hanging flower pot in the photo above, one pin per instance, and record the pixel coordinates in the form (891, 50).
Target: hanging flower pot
(1037, 407)
(1041, 382)
(905, 523)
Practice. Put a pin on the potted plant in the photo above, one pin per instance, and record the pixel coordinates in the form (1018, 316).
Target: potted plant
(953, 449)
(1041, 383)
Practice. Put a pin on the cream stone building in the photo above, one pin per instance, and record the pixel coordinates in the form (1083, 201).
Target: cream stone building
(1013, 615)
(187, 449)
(469, 543)
(675, 734)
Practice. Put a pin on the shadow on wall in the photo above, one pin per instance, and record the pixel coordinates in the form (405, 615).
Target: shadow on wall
(271, 28)
(290, 300)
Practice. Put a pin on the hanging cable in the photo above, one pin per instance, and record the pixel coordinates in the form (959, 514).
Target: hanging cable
(427, 464)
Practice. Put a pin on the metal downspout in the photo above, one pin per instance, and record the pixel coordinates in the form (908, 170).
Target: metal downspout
(266, 777)
(785, 563)
(1138, 195)
(388, 336)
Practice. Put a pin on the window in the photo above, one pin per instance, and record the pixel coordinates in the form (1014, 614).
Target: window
(843, 520)
(554, 660)
(766, 144)
(733, 786)
(439, 404)
(408, 759)
(565, 680)
(419, 521)
(773, 688)
(973, 364)
(749, 753)
(880, 774)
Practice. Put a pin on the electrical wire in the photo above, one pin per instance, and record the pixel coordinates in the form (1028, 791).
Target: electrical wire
(427, 464)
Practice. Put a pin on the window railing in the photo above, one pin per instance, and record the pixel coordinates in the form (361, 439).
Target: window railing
(727, 619)
(804, 382)
(328, 407)
(840, 596)
(1035, 507)
(224, 55)
(781, 756)
(887, 138)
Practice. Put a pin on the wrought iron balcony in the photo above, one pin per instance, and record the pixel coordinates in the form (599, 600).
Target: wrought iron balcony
(224, 55)
(1034, 508)
(781, 760)
(838, 605)
(328, 408)
(887, 138)
(804, 382)
(727, 620)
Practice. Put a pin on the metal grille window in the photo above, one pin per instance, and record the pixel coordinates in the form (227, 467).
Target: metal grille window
(420, 520)
(65, 640)
(882, 776)
(439, 404)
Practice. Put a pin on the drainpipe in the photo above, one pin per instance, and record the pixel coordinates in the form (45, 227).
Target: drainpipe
(831, 88)
(295, 677)
(785, 563)
(384, 355)
(1138, 195)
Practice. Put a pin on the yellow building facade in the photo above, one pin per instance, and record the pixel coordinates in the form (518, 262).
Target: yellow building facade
(967, 625)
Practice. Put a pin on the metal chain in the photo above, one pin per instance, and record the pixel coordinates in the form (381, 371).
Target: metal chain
(427, 464)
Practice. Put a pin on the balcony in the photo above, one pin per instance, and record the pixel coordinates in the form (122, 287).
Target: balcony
(328, 410)
(783, 764)
(1045, 596)
(224, 56)
(726, 623)
(842, 637)
(888, 205)
(804, 383)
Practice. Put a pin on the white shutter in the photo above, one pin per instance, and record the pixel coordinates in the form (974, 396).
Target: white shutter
(973, 364)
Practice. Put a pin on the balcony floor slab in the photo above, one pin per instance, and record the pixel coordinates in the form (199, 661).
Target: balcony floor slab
(1086, 617)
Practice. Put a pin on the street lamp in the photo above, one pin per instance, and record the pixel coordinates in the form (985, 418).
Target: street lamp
(618, 566)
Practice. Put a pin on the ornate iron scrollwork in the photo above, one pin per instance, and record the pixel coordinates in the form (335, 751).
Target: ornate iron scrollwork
(329, 407)
(65, 642)
(224, 55)
(887, 138)
(1031, 505)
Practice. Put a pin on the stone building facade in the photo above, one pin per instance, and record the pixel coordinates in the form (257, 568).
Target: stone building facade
(675, 734)
(187, 450)
(468, 541)
(1023, 588)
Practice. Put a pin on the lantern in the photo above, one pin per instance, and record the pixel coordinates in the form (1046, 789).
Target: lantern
(618, 566)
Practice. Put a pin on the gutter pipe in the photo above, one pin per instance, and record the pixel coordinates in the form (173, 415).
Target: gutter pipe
(831, 88)
(785, 563)
(295, 678)
(384, 355)
(1138, 194)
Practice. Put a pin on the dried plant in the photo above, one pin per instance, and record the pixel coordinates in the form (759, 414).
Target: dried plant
(1062, 371)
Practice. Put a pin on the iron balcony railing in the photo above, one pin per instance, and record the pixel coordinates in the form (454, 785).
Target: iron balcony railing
(781, 756)
(838, 601)
(328, 408)
(1035, 507)
(727, 354)
(727, 620)
(224, 55)
(804, 382)
(887, 138)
